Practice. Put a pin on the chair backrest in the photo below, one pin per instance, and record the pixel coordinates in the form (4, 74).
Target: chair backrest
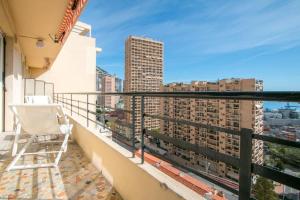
(38, 119)
(38, 100)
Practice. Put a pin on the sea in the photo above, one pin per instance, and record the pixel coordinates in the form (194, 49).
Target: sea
(277, 105)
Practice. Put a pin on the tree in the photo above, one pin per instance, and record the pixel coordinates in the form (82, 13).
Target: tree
(279, 164)
(282, 151)
(264, 189)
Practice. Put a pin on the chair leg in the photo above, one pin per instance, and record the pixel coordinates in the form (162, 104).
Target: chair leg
(18, 156)
(16, 140)
(62, 149)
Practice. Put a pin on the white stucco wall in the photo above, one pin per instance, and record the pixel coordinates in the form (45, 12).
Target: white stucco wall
(74, 69)
(13, 80)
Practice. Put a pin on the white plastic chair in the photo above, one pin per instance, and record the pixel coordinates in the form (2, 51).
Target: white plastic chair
(39, 120)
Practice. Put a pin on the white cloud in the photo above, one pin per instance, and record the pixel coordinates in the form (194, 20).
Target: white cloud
(205, 27)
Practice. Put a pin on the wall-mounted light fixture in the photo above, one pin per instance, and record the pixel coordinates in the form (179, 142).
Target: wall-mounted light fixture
(39, 41)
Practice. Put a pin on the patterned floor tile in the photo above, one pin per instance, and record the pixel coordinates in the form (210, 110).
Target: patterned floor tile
(75, 178)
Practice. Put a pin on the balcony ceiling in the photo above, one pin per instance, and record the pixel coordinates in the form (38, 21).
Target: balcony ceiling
(31, 19)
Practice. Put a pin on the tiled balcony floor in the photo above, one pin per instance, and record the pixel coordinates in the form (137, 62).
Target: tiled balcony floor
(75, 178)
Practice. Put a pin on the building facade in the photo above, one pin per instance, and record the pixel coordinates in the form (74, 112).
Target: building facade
(107, 83)
(231, 114)
(100, 73)
(143, 73)
(119, 85)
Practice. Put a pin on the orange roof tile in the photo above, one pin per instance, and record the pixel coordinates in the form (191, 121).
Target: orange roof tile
(183, 178)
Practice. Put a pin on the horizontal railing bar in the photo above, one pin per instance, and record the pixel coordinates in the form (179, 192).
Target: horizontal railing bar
(117, 109)
(120, 138)
(64, 98)
(197, 149)
(80, 108)
(291, 96)
(75, 106)
(122, 123)
(173, 162)
(81, 115)
(195, 124)
(93, 104)
(267, 138)
(280, 177)
(215, 128)
(96, 122)
(97, 114)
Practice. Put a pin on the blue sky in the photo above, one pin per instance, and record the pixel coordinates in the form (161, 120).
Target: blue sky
(205, 39)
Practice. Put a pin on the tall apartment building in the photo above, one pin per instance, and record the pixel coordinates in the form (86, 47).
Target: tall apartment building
(107, 83)
(100, 73)
(143, 73)
(231, 114)
(119, 85)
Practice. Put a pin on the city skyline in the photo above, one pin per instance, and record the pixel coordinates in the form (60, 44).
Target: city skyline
(243, 40)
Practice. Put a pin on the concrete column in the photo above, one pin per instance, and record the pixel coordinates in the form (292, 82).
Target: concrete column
(13, 80)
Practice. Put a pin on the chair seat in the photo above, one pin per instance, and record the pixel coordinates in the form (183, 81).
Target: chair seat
(39, 120)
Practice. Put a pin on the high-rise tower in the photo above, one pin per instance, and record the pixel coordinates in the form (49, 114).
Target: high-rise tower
(143, 73)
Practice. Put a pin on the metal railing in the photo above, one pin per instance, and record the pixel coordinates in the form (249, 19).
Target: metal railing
(244, 162)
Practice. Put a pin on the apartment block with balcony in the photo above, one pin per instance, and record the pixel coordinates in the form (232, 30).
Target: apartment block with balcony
(230, 114)
(143, 73)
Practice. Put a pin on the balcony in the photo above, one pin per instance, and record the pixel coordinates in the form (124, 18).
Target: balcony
(96, 158)
(75, 178)
(244, 135)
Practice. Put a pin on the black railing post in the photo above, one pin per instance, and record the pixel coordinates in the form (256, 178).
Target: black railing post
(87, 110)
(103, 112)
(133, 125)
(25, 80)
(34, 87)
(63, 100)
(245, 164)
(71, 104)
(142, 127)
(44, 88)
(77, 106)
(52, 90)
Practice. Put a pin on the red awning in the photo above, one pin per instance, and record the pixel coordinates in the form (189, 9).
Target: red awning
(72, 13)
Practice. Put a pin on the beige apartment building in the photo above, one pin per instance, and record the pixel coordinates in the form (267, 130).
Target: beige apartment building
(109, 85)
(231, 114)
(143, 73)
